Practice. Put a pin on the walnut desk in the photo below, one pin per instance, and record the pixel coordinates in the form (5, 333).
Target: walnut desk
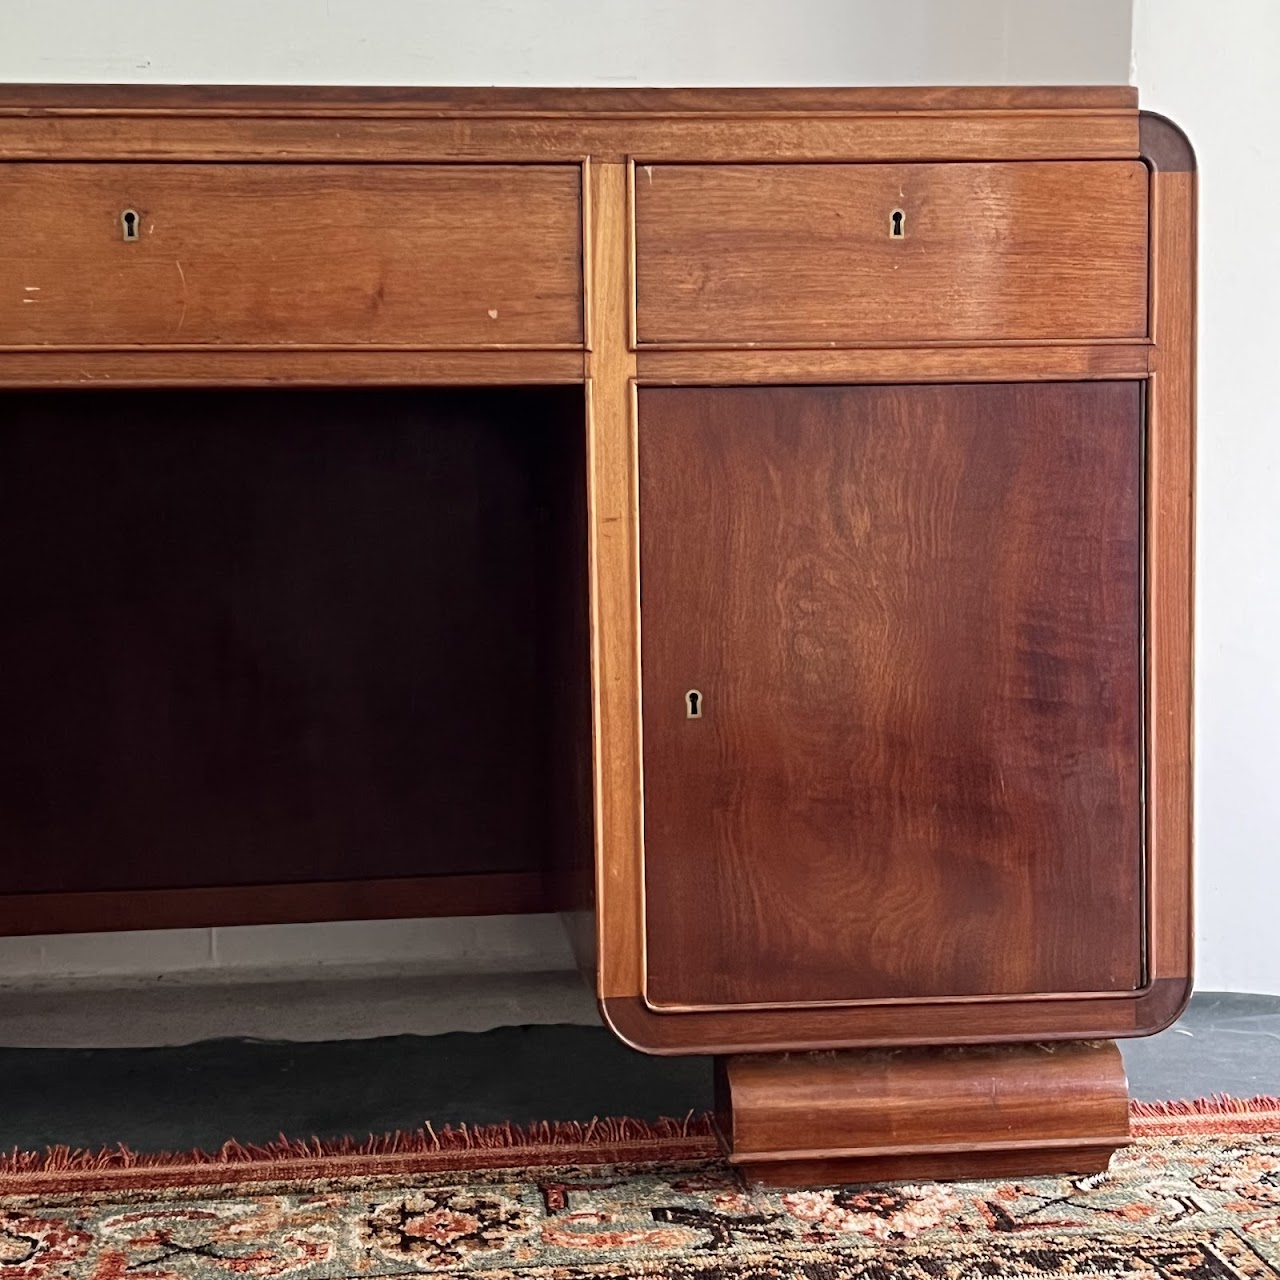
(756, 524)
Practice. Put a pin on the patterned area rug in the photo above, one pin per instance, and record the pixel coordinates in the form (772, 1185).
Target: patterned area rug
(1196, 1198)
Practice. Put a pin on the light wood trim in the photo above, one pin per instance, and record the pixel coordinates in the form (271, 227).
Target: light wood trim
(901, 344)
(615, 593)
(1170, 558)
(1015, 135)
(633, 275)
(351, 348)
(914, 1002)
(1027, 363)
(588, 303)
(286, 366)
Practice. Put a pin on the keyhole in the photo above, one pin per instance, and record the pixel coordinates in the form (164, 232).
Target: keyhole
(693, 704)
(897, 224)
(129, 224)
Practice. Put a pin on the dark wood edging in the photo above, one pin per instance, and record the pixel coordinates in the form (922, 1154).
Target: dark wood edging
(1163, 145)
(964, 1022)
(303, 100)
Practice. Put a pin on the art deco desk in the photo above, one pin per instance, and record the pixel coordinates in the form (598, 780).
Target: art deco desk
(754, 523)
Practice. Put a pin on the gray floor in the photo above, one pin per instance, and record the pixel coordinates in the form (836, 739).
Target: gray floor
(1223, 1044)
(200, 1094)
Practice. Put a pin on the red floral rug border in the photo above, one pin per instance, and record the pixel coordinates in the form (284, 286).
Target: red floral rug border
(608, 1141)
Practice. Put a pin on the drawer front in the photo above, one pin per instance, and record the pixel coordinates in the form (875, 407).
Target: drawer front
(291, 255)
(807, 254)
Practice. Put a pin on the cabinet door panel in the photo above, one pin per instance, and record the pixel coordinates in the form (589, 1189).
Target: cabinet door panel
(913, 617)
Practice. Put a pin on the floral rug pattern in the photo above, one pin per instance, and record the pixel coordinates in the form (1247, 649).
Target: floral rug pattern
(1198, 1207)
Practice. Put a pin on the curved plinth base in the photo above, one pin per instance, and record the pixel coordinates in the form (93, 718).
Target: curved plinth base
(809, 1119)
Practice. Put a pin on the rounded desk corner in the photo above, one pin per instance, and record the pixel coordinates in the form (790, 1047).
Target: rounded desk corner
(1163, 145)
(1161, 1005)
(630, 1019)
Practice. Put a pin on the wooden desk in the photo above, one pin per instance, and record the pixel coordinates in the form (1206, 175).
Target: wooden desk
(754, 523)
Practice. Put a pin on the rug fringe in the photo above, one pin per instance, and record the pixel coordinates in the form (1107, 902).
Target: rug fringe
(613, 1139)
(611, 1132)
(1219, 1113)
(1218, 1104)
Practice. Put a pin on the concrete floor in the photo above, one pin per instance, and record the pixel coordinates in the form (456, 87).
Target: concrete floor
(353, 1055)
(1224, 1043)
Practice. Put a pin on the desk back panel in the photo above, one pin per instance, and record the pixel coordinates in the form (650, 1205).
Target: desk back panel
(263, 637)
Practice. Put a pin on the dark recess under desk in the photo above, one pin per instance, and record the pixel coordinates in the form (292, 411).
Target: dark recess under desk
(292, 637)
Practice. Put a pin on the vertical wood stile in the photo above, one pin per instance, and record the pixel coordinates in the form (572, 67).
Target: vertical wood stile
(1170, 533)
(615, 599)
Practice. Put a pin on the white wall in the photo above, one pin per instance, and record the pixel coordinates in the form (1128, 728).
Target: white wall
(692, 42)
(1214, 67)
(643, 42)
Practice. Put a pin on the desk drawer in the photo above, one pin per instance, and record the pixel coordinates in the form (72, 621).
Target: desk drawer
(805, 254)
(270, 255)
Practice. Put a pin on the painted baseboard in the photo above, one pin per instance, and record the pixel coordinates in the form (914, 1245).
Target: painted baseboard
(467, 944)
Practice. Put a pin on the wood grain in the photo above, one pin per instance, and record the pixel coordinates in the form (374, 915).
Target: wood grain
(416, 897)
(274, 636)
(863, 137)
(162, 366)
(1030, 1161)
(288, 255)
(819, 1119)
(1036, 362)
(1171, 422)
(361, 140)
(913, 616)
(615, 652)
(906, 1022)
(379, 101)
(793, 253)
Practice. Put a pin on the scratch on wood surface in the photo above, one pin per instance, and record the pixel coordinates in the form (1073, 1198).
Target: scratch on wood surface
(182, 315)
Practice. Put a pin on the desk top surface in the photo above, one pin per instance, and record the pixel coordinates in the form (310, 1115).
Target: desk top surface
(508, 101)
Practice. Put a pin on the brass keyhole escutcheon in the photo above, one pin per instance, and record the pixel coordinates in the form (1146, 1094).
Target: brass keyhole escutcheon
(130, 224)
(897, 225)
(693, 704)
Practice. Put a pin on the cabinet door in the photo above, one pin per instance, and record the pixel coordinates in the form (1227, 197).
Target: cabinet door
(892, 685)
